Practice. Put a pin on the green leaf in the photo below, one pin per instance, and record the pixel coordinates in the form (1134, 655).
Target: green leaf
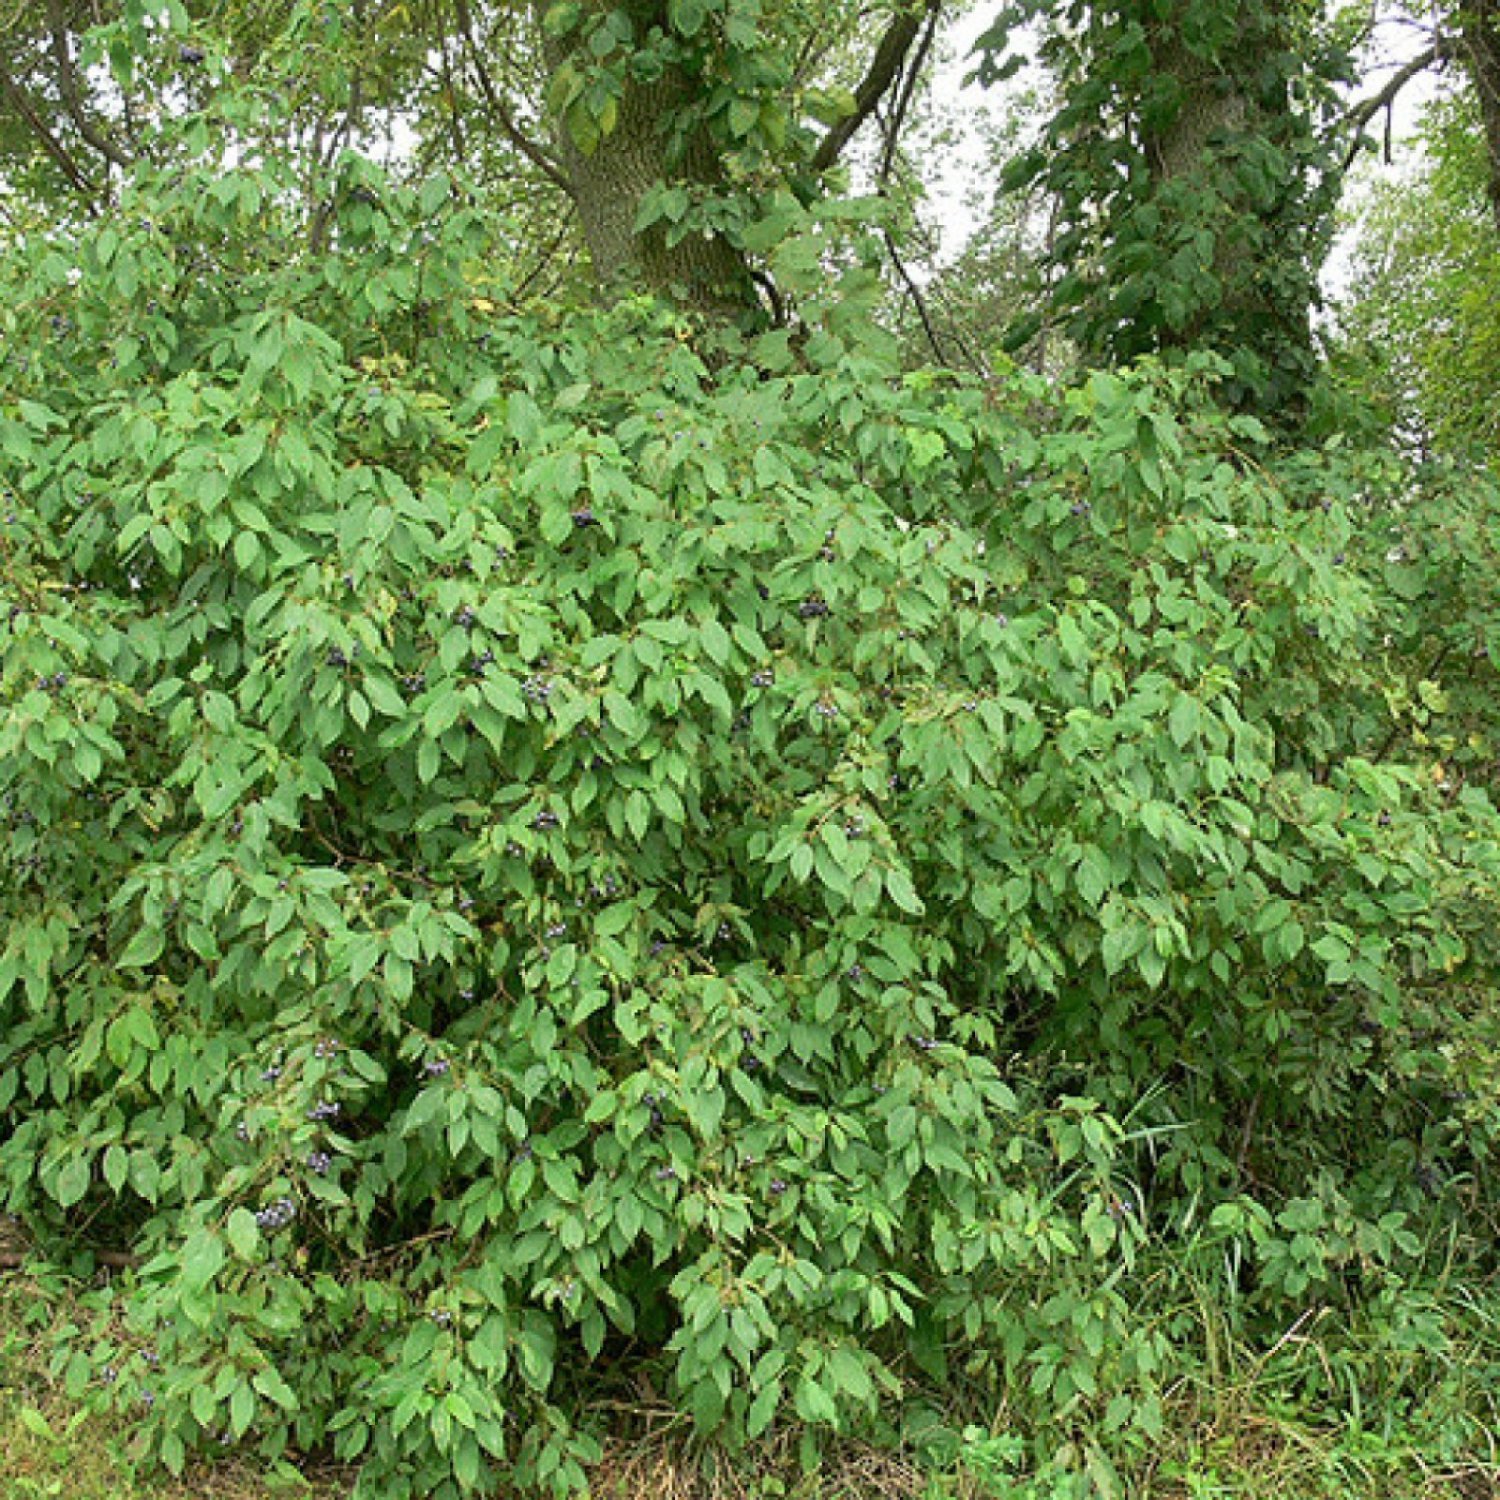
(116, 1168)
(687, 16)
(144, 948)
(243, 1233)
(72, 1180)
(814, 1404)
(899, 885)
(202, 1258)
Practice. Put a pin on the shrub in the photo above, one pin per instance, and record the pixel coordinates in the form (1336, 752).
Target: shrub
(535, 852)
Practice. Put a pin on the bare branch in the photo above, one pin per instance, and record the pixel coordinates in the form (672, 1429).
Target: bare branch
(72, 95)
(915, 292)
(541, 159)
(50, 143)
(884, 70)
(1365, 111)
(518, 295)
(904, 98)
(116, 1260)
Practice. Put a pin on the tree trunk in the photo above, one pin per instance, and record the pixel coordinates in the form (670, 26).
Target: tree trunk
(1479, 25)
(1193, 152)
(1221, 158)
(652, 139)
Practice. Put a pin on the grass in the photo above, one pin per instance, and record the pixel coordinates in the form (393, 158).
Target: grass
(51, 1449)
(1236, 1440)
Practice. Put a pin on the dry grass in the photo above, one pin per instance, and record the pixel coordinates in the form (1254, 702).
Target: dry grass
(1241, 1451)
(658, 1465)
(1221, 1444)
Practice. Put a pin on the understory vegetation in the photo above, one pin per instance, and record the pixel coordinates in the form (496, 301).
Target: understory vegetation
(594, 893)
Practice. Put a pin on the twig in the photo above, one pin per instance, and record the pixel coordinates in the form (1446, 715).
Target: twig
(323, 163)
(534, 275)
(908, 88)
(539, 158)
(1364, 112)
(1247, 1135)
(884, 70)
(119, 1260)
(54, 147)
(916, 296)
(67, 84)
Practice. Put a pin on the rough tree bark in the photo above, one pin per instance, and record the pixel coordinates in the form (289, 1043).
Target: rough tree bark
(1226, 101)
(647, 144)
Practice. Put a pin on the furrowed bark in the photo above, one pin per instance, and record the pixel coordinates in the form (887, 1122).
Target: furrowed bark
(653, 139)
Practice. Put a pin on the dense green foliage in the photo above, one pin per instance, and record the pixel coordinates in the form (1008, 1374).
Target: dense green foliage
(1420, 316)
(554, 851)
(537, 849)
(1193, 172)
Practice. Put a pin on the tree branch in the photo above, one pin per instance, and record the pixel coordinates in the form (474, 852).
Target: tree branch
(908, 88)
(116, 1260)
(1367, 109)
(72, 95)
(50, 143)
(1479, 25)
(915, 292)
(885, 68)
(541, 159)
(324, 162)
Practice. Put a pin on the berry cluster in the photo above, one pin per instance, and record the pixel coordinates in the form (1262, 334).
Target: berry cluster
(276, 1215)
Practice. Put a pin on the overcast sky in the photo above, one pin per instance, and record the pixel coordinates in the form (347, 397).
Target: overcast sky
(957, 186)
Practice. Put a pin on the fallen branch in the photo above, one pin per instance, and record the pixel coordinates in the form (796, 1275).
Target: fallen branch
(116, 1260)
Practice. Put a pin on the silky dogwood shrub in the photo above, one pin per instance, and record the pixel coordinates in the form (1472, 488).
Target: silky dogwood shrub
(532, 856)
